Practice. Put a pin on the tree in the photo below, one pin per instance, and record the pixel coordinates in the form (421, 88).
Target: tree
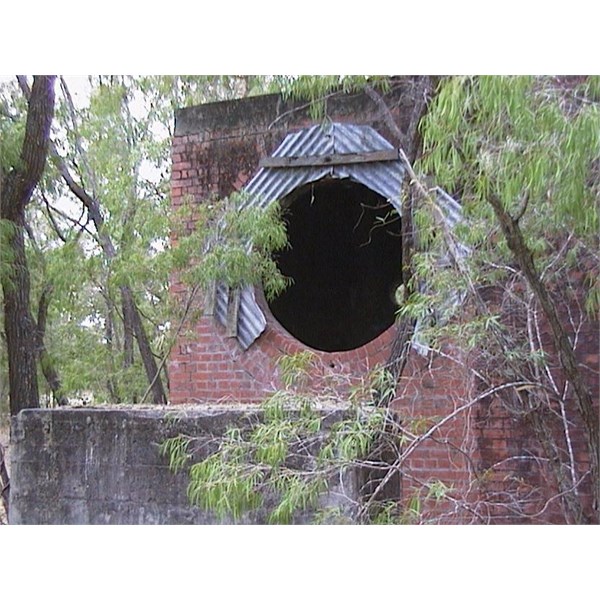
(97, 235)
(17, 183)
(90, 256)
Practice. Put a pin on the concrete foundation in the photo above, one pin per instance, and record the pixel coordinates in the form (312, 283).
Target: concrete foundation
(103, 465)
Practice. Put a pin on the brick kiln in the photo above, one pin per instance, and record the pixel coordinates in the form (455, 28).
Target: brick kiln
(335, 182)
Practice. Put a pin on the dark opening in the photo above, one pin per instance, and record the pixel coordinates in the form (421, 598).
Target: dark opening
(345, 260)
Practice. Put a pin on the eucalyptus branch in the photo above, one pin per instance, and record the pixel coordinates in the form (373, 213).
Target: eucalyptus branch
(75, 128)
(31, 236)
(386, 114)
(522, 207)
(180, 325)
(77, 222)
(414, 444)
(24, 85)
(4, 481)
(92, 205)
(53, 223)
(296, 109)
(549, 268)
(520, 250)
(457, 502)
(571, 490)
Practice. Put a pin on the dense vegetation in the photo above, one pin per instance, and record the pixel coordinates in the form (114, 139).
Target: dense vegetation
(96, 231)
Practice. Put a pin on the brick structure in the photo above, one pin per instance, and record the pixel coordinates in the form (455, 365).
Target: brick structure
(216, 150)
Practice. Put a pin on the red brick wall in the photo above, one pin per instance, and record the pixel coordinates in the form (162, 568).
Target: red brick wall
(430, 391)
(216, 150)
(517, 479)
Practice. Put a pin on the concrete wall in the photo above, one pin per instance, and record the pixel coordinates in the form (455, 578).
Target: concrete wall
(103, 466)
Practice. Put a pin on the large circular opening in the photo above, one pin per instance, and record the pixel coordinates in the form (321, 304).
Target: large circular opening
(345, 260)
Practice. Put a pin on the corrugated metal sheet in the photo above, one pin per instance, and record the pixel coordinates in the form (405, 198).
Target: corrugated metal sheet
(251, 320)
(314, 141)
(452, 209)
(385, 178)
(272, 184)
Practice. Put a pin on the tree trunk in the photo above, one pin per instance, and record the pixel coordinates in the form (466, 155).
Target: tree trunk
(16, 190)
(93, 207)
(522, 254)
(148, 359)
(410, 143)
(127, 333)
(50, 373)
(130, 307)
(111, 386)
(406, 325)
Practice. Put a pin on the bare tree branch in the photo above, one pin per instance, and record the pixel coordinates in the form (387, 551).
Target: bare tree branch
(522, 254)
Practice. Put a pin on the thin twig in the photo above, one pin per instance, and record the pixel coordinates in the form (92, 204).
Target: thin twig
(420, 439)
(161, 365)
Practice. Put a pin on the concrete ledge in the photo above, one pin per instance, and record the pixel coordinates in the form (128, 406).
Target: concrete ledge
(103, 465)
